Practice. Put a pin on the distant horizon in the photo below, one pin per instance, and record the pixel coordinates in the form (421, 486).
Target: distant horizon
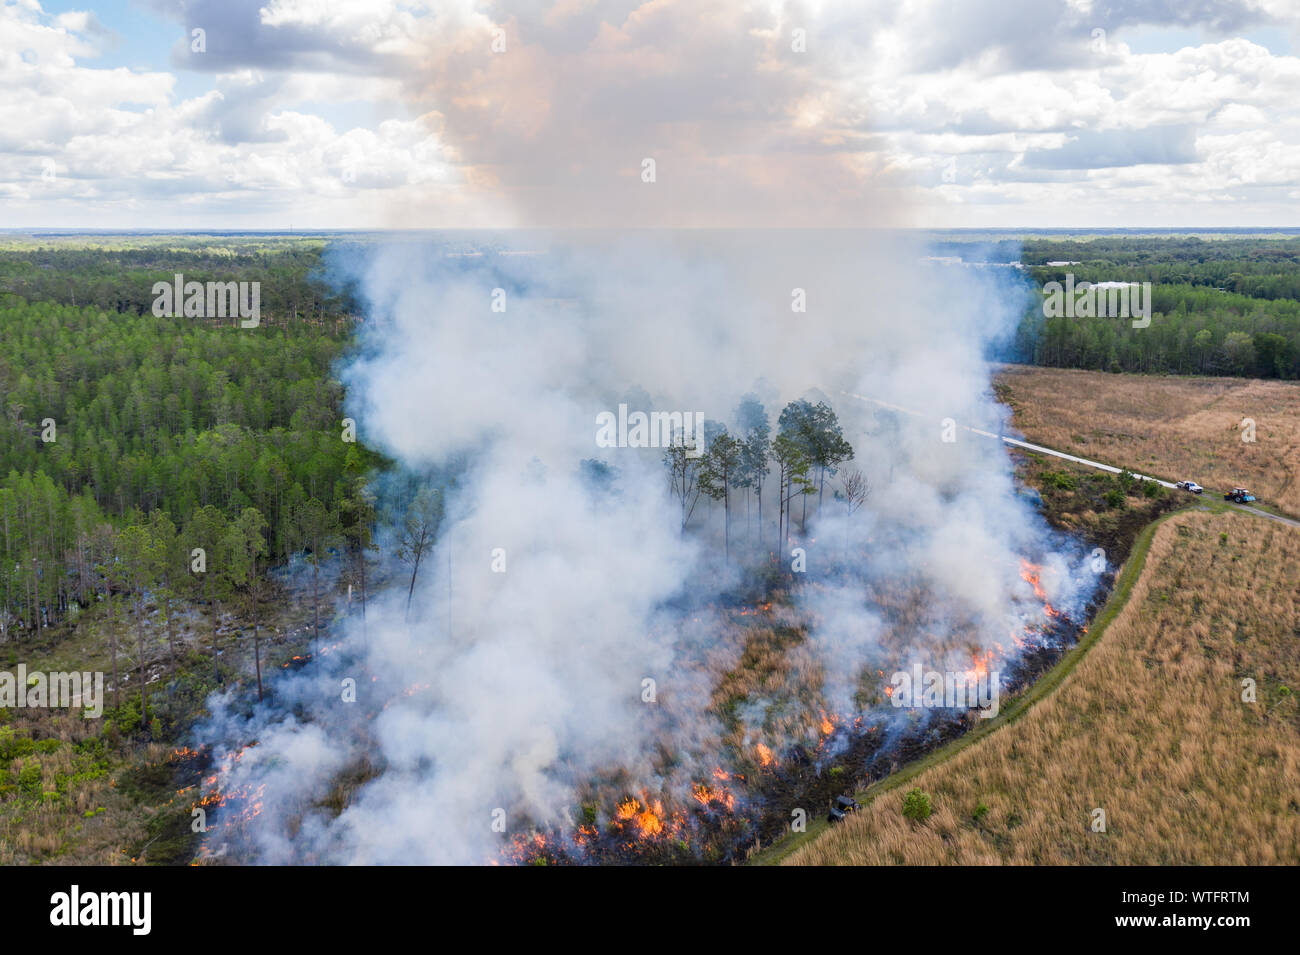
(966, 230)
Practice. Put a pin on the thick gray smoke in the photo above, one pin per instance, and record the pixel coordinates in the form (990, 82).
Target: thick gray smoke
(514, 687)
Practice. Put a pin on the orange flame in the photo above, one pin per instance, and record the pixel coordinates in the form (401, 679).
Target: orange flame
(979, 666)
(705, 794)
(648, 820)
(1031, 574)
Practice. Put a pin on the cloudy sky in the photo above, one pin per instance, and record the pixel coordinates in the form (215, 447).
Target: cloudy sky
(453, 113)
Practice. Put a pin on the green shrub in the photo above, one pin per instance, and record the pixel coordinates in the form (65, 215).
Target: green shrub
(127, 716)
(916, 806)
(29, 778)
(1059, 480)
(980, 812)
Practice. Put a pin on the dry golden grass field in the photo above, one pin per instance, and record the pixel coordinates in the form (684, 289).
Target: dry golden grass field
(1149, 726)
(1175, 428)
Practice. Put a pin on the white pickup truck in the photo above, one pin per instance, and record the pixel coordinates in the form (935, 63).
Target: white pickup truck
(1190, 486)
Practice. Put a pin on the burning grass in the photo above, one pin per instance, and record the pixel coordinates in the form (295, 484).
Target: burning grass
(781, 743)
(777, 742)
(1149, 726)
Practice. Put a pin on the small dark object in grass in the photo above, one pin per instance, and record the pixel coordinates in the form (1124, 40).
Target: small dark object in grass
(842, 806)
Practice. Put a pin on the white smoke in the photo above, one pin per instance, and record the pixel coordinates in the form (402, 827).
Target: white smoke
(513, 690)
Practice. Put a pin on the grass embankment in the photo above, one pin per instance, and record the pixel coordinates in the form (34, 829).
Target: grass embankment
(1010, 711)
(1104, 510)
(1148, 724)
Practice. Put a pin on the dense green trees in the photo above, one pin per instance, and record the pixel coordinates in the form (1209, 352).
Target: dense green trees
(1192, 332)
(1226, 307)
(111, 420)
(119, 275)
(1265, 268)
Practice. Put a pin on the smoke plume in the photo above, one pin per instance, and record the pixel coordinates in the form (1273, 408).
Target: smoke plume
(518, 680)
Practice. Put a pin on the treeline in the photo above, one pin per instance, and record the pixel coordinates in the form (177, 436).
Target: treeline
(293, 288)
(112, 421)
(1258, 268)
(1228, 307)
(1193, 331)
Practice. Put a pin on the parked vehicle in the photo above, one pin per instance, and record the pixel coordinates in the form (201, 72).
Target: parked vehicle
(842, 806)
(1190, 486)
(1239, 495)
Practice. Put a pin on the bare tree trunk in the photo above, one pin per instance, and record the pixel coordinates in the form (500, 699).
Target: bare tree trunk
(117, 700)
(415, 568)
(315, 594)
(144, 674)
(780, 505)
(726, 522)
(171, 629)
(257, 654)
(363, 594)
(216, 622)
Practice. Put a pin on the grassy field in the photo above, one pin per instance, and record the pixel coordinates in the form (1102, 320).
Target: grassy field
(1176, 428)
(1145, 718)
(1149, 726)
